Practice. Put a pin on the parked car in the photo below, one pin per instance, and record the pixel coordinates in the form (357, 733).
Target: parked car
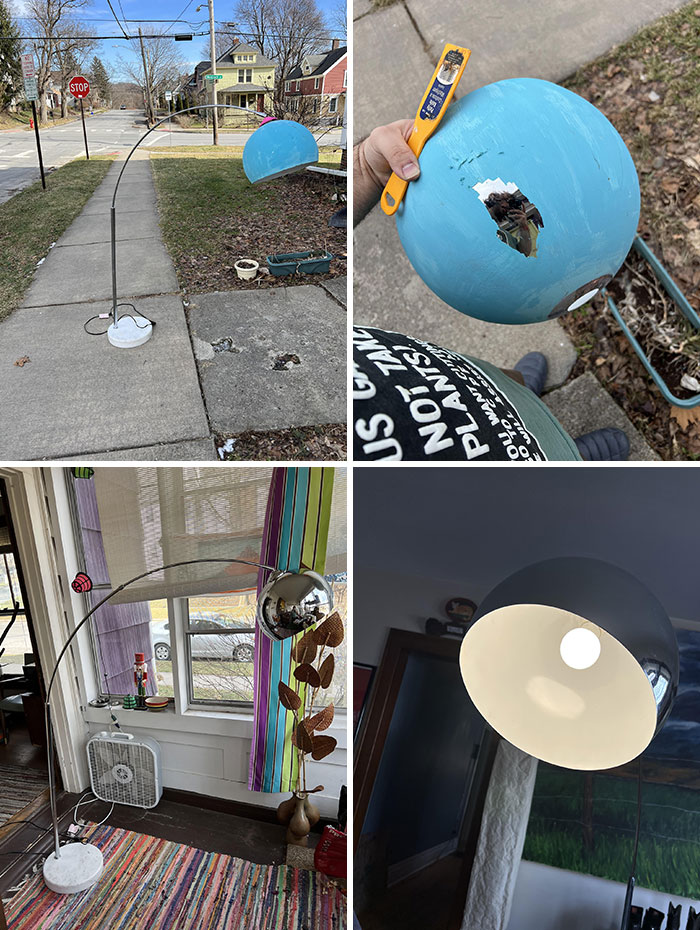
(123, 107)
(237, 643)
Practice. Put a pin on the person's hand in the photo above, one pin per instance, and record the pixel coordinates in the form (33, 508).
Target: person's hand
(383, 151)
(386, 150)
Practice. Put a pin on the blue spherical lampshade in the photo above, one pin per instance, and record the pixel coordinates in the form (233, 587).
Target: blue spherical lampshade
(526, 205)
(276, 148)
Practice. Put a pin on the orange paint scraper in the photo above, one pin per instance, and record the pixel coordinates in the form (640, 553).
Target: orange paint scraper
(432, 108)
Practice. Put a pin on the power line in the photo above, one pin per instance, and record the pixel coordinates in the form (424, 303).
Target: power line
(189, 4)
(109, 4)
(125, 37)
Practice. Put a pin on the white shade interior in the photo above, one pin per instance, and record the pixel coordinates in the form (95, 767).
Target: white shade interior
(593, 718)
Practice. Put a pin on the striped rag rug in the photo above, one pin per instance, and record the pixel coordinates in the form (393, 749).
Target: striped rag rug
(18, 787)
(153, 884)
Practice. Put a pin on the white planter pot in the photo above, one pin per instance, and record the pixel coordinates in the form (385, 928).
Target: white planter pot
(247, 274)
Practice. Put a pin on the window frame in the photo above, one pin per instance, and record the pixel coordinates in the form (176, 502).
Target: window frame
(333, 105)
(200, 703)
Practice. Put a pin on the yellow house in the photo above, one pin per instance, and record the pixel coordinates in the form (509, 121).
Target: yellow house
(248, 79)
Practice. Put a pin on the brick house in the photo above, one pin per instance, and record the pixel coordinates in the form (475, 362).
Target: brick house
(317, 88)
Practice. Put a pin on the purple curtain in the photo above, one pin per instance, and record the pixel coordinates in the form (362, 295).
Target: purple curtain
(121, 629)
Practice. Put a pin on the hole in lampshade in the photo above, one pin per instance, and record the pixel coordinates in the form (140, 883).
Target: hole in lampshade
(580, 648)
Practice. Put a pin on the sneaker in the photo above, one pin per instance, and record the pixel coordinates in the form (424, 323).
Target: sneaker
(533, 367)
(604, 445)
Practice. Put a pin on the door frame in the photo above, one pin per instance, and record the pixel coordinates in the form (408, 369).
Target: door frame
(374, 729)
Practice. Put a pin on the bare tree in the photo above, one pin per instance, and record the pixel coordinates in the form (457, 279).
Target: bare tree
(285, 31)
(164, 65)
(223, 39)
(337, 19)
(48, 18)
(70, 55)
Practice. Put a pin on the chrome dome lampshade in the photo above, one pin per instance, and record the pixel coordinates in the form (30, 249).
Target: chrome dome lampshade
(291, 602)
(574, 661)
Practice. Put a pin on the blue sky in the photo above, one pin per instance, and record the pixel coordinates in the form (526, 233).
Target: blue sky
(99, 16)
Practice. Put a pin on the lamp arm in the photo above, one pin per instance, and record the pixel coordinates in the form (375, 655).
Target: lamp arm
(208, 106)
(47, 701)
(113, 212)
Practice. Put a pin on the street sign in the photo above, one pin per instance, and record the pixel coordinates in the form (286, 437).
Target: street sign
(79, 87)
(168, 95)
(31, 91)
(213, 77)
(28, 68)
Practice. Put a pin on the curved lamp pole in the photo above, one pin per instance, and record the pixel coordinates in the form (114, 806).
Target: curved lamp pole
(283, 610)
(139, 329)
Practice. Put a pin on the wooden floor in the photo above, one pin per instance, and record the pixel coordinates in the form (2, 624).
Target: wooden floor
(19, 750)
(423, 901)
(214, 831)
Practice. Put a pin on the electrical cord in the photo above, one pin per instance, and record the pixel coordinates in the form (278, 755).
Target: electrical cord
(81, 823)
(99, 316)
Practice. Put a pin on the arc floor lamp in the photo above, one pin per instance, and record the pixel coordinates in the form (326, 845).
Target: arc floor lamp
(276, 148)
(288, 603)
(575, 662)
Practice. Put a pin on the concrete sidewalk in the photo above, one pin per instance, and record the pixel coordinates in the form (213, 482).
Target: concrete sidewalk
(79, 397)
(397, 47)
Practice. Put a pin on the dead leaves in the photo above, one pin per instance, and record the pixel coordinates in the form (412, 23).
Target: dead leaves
(302, 738)
(288, 698)
(322, 720)
(331, 632)
(305, 649)
(322, 746)
(308, 674)
(326, 671)
(21, 362)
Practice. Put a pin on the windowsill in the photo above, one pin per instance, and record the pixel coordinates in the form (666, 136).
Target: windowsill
(212, 722)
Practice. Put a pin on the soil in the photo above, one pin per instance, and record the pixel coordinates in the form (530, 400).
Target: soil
(296, 225)
(315, 443)
(649, 89)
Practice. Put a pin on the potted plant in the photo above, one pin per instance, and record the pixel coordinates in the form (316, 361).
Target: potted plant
(315, 669)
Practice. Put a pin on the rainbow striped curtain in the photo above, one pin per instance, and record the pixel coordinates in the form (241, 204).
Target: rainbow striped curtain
(295, 536)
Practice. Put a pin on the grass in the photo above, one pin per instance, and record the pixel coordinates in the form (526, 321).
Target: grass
(669, 852)
(33, 219)
(206, 204)
(20, 119)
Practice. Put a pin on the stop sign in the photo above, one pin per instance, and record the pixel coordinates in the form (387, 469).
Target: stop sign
(79, 87)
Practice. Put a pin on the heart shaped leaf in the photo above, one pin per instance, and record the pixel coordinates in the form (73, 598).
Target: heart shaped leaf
(302, 738)
(308, 674)
(323, 746)
(305, 650)
(322, 720)
(288, 698)
(331, 632)
(326, 671)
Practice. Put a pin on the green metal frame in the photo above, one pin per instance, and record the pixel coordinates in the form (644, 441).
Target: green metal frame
(681, 301)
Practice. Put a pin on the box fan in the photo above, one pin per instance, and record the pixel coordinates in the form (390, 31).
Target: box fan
(125, 769)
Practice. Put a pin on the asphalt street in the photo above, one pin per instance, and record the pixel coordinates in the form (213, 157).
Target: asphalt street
(113, 131)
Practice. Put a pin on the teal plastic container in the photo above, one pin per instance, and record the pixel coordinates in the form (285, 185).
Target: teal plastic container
(299, 262)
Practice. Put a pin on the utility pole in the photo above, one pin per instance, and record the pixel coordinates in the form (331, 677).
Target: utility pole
(150, 115)
(212, 52)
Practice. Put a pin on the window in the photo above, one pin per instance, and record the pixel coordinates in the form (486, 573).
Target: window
(298, 85)
(333, 105)
(345, 78)
(241, 75)
(249, 75)
(314, 105)
(17, 643)
(317, 83)
(128, 520)
(287, 86)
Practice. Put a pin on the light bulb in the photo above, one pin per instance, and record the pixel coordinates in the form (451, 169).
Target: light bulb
(580, 648)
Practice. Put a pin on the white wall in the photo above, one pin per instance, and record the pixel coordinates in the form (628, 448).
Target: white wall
(208, 753)
(554, 899)
(388, 599)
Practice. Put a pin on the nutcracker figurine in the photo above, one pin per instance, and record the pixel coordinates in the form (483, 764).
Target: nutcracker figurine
(140, 679)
